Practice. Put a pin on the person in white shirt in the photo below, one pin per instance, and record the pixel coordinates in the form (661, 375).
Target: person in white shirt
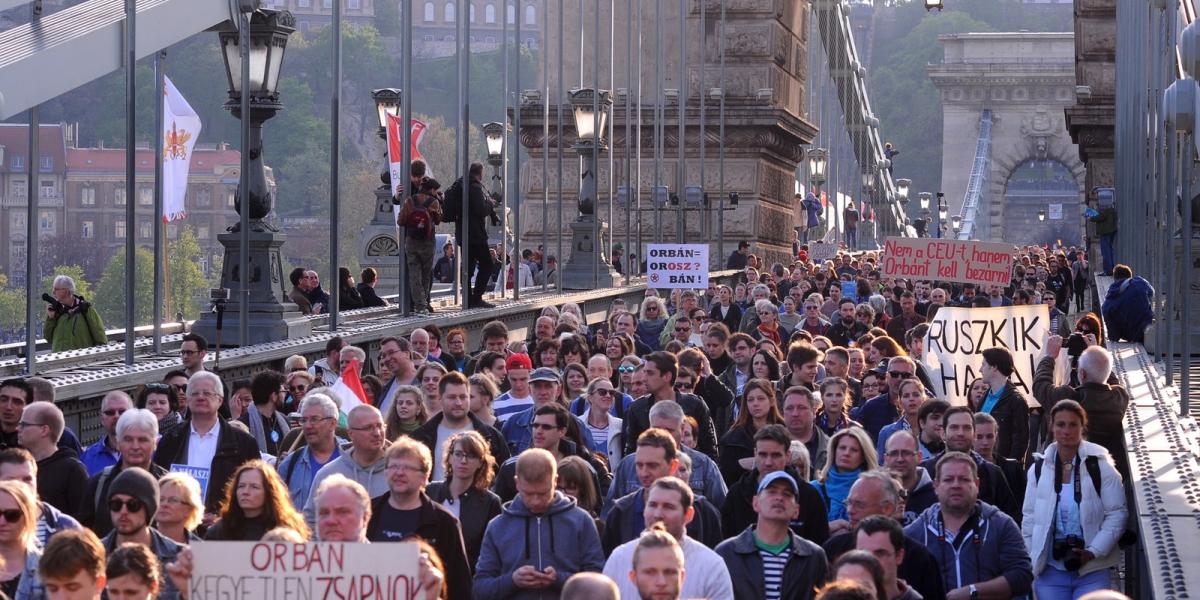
(669, 501)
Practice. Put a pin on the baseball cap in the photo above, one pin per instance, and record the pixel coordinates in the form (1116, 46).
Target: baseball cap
(543, 374)
(518, 361)
(776, 476)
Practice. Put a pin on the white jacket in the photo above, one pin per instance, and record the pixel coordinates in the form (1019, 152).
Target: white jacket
(615, 439)
(1102, 517)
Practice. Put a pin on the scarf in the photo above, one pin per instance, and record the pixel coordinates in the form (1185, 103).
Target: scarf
(256, 426)
(836, 488)
(823, 423)
(770, 332)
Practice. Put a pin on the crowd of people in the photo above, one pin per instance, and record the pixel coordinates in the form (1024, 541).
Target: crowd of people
(774, 439)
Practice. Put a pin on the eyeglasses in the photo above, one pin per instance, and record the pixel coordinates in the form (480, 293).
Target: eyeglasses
(174, 501)
(626, 369)
(682, 329)
(312, 420)
(297, 388)
(371, 427)
(543, 426)
(188, 352)
(765, 313)
(403, 467)
(901, 375)
(604, 392)
(24, 424)
(132, 505)
(12, 515)
(460, 455)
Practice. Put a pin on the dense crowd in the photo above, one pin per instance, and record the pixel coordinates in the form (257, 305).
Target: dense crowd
(775, 439)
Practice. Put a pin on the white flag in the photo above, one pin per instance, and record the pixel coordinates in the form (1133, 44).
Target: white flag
(181, 128)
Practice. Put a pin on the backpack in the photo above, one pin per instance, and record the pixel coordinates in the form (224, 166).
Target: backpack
(420, 223)
(1091, 463)
(452, 202)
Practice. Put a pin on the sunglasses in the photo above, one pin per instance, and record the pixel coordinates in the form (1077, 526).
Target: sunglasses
(132, 505)
(901, 374)
(684, 386)
(12, 515)
(626, 369)
(543, 426)
(605, 392)
(112, 412)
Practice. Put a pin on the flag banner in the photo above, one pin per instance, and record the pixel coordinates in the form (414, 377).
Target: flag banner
(958, 336)
(396, 158)
(181, 129)
(349, 388)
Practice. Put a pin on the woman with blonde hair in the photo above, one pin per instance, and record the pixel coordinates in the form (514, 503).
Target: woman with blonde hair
(652, 321)
(256, 501)
(180, 507)
(408, 412)
(19, 515)
(483, 394)
(469, 468)
(850, 454)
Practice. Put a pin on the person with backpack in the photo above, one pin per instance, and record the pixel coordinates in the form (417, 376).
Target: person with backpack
(480, 207)
(1074, 512)
(419, 216)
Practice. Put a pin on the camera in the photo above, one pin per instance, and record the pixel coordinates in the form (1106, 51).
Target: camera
(1064, 550)
(1076, 344)
(55, 305)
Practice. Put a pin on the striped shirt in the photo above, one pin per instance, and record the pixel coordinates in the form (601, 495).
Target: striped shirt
(773, 565)
(600, 437)
(506, 405)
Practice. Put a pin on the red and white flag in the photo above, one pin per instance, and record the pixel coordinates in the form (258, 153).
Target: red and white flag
(181, 129)
(395, 158)
(349, 388)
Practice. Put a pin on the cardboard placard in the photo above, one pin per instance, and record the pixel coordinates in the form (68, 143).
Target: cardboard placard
(821, 252)
(670, 266)
(962, 261)
(958, 336)
(318, 570)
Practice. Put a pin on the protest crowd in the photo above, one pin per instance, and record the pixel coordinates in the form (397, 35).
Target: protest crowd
(777, 439)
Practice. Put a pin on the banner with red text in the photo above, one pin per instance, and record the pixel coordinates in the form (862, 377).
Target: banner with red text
(962, 261)
(317, 571)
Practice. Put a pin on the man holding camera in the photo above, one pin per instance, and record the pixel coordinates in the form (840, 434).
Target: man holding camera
(71, 321)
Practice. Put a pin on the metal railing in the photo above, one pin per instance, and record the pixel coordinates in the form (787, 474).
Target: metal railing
(979, 173)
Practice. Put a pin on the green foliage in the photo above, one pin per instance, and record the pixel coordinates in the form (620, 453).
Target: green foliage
(12, 310)
(75, 272)
(186, 282)
(110, 292)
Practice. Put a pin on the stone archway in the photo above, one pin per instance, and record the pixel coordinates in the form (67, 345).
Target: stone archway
(1045, 141)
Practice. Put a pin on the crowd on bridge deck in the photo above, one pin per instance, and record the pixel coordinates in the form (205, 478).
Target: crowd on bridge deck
(778, 438)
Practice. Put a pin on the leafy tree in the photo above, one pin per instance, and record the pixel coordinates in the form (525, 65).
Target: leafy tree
(110, 292)
(12, 311)
(75, 272)
(186, 281)
(89, 254)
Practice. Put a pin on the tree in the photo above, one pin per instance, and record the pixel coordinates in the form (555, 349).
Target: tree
(90, 254)
(12, 312)
(75, 272)
(110, 292)
(186, 283)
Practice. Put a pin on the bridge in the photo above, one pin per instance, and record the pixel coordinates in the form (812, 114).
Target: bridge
(1103, 106)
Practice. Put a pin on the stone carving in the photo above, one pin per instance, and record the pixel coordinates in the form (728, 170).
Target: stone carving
(383, 245)
(1039, 128)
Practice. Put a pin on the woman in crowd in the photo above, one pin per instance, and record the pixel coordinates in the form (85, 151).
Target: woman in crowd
(850, 453)
(976, 393)
(1089, 324)
(768, 322)
(872, 385)
(239, 399)
(764, 365)
(132, 573)
(625, 370)
(789, 318)
(19, 516)
(160, 399)
(690, 431)
(725, 309)
(576, 380)
(483, 393)
(429, 375)
(822, 343)
(456, 347)
(469, 468)
(836, 401)
(348, 296)
(573, 350)
(652, 321)
(883, 347)
(576, 480)
(180, 507)
(756, 409)
(912, 396)
(862, 568)
(1074, 511)
(740, 298)
(373, 388)
(256, 501)
(408, 412)
(571, 308)
(545, 354)
(604, 427)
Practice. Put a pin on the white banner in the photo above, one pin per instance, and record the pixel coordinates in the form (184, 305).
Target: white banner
(822, 251)
(181, 129)
(340, 571)
(677, 266)
(958, 336)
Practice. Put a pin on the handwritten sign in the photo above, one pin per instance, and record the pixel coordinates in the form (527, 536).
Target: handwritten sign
(958, 336)
(677, 266)
(821, 251)
(314, 571)
(964, 261)
(201, 475)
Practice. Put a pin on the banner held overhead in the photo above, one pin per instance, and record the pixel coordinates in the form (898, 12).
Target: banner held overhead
(961, 261)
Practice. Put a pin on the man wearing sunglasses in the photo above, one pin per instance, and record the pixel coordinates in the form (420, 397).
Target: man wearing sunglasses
(132, 503)
(884, 409)
(104, 452)
(549, 427)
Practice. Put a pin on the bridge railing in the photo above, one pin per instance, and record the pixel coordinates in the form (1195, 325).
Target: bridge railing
(979, 172)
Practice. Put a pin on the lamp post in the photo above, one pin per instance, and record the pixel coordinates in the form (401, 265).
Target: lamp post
(926, 217)
(493, 137)
(269, 318)
(941, 212)
(379, 242)
(818, 161)
(956, 224)
(586, 253)
(1041, 215)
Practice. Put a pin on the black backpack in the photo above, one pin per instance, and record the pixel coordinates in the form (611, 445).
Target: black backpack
(452, 202)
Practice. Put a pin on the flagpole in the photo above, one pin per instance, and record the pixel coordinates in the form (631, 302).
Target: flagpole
(160, 258)
(166, 275)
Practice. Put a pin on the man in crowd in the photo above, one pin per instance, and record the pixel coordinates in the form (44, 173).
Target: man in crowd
(770, 561)
(671, 503)
(396, 355)
(63, 476)
(472, 228)
(43, 391)
(405, 513)
(72, 567)
(518, 429)
(771, 445)
(327, 370)
(907, 319)
(846, 329)
(456, 417)
(737, 259)
(991, 486)
(205, 441)
(627, 324)
(998, 564)
(263, 416)
(543, 330)
(549, 427)
(657, 569)
(137, 438)
(902, 459)
(884, 409)
(132, 503)
(687, 303)
(985, 445)
(15, 394)
(883, 537)
(517, 558)
(814, 321)
(343, 510)
(365, 463)
(837, 364)
(366, 288)
(317, 296)
(591, 586)
(318, 422)
(799, 414)
(518, 396)
(103, 453)
(299, 291)
(804, 364)
(660, 369)
(72, 322)
(17, 464)
(741, 352)
(1005, 404)
(192, 352)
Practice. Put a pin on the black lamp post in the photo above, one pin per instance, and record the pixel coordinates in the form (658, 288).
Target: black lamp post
(942, 211)
(378, 243)
(270, 315)
(590, 128)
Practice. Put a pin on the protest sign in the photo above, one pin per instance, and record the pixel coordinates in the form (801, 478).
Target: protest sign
(821, 251)
(200, 474)
(677, 266)
(958, 336)
(963, 261)
(314, 571)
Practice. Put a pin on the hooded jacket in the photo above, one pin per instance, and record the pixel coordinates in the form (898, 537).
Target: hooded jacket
(988, 546)
(920, 497)
(1126, 309)
(738, 512)
(62, 480)
(806, 567)
(1102, 515)
(373, 477)
(79, 327)
(563, 537)
(438, 527)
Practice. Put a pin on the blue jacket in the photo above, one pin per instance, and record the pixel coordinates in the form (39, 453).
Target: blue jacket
(812, 206)
(1127, 309)
(518, 431)
(875, 414)
(97, 456)
(564, 537)
(31, 587)
(299, 477)
(990, 545)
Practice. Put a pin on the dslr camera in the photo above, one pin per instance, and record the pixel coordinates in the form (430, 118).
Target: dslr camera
(1064, 550)
(55, 305)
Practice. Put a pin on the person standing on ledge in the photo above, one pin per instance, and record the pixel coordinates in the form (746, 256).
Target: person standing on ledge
(72, 322)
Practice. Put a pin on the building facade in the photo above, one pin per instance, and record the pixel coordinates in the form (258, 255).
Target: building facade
(14, 178)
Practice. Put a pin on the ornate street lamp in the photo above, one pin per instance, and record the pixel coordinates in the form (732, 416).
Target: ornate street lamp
(932, 4)
(493, 134)
(1041, 215)
(902, 187)
(590, 128)
(387, 102)
(925, 197)
(378, 245)
(818, 161)
(941, 211)
(269, 317)
(956, 223)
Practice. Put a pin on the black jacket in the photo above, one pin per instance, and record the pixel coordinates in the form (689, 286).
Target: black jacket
(369, 297)
(736, 444)
(93, 509)
(806, 568)
(1105, 404)
(1012, 423)
(738, 512)
(718, 397)
(476, 510)
(732, 318)
(504, 484)
(62, 480)
(233, 449)
(480, 208)
(637, 420)
(993, 487)
(427, 434)
(349, 299)
(441, 530)
(919, 570)
(619, 527)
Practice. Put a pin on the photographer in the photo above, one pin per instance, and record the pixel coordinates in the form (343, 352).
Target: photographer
(1104, 401)
(71, 321)
(1074, 511)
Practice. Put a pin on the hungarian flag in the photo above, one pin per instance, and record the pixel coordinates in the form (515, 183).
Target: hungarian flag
(395, 158)
(349, 388)
(181, 128)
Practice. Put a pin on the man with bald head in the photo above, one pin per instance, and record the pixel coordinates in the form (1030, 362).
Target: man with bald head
(590, 586)
(63, 478)
(365, 463)
(539, 540)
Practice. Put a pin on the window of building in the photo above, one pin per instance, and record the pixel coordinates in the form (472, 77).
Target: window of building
(511, 11)
(119, 229)
(202, 232)
(87, 196)
(46, 163)
(471, 14)
(489, 13)
(48, 189)
(203, 196)
(429, 10)
(428, 38)
(119, 196)
(18, 163)
(145, 230)
(304, 3)
(17, 222)
(47, 222)
(530, 15)
(448, 12)
(145, 196)
(16, 188)
(531, 43)
(354, 4)
(87, 230)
